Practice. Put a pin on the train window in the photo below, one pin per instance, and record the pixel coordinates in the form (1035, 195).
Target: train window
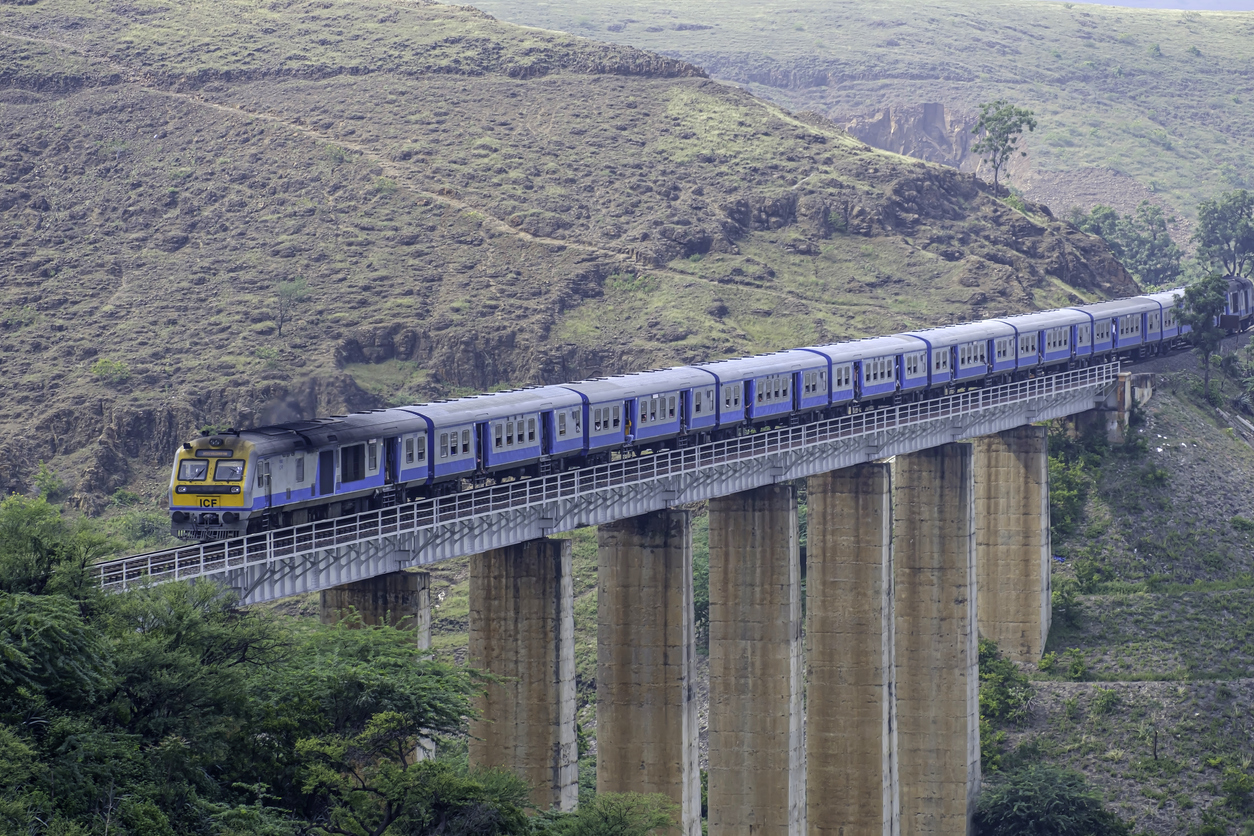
(229, 470)
(670, 407)
(822, 381)
(300, 468)
(561, 423)
(574, 415)
(760, 390)
(696, 404)
(727, 397)
(531, 429)
(465, 442)
(596, 420)
(353, 463)
(616, 417)
(444, 445)
(409, 451)
(653, 410)
(784, 389)
(499, 436)
(421, 444)
(191, 470)
(509, 434)
(372, 451)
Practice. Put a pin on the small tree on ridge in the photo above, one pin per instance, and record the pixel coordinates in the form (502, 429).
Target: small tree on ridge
(1203, 305)
(1001, 124)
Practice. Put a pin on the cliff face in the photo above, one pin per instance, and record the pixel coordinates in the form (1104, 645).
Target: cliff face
(924, 131)
(466, 204)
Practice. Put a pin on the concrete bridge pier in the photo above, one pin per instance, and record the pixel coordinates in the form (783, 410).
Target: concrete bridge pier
(938, 729)
(646, 693)
(851, 745)
(522, 626)
(399, 599)
(757, 757)
(1012, 540)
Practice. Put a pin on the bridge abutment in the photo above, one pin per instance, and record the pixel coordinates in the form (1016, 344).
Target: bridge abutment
(1012, 540)
(938, 740)
(522, 629)
(851, 768)
(398, 599)
(757, 756)
(646, 647)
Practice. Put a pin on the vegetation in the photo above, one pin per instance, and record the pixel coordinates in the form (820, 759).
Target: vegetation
(1043, 800)
(1225, 233)
(288, 296)
(1203, 304)
(1141, 241)
(168, 710)
(1005, 694)
(999, 127)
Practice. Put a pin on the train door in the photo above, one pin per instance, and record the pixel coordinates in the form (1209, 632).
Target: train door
(390, 455)
(326, 472)
(264, 480)
(546, 432)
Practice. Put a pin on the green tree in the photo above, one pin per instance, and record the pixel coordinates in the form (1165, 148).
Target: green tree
(289, 296)
(1225, 233)
(1140, 241)
(620, 814)
(1001, 124)
(1203, 305)
(1043, 800)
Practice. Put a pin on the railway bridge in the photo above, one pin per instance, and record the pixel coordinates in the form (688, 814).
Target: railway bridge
(928, 526)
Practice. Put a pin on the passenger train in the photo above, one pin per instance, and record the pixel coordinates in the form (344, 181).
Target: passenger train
(229, 484)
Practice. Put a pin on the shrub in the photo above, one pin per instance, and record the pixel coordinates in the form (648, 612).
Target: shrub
(1105, 700)
(1077, 666)
(1048, 662)
(1063, 602)
(1238, 787)
(1243, 525)
(1043, 799)
(111, 371)
(1005, 694)
(49, 485)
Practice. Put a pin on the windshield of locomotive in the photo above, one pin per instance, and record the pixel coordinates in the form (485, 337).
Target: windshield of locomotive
(229, 470)
(191, 470)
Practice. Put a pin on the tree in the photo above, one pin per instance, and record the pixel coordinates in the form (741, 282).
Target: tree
(1203, 305)
(1140, 241)
(290, 294)
(1043, 800)
(1225, 233)
(1002, 124)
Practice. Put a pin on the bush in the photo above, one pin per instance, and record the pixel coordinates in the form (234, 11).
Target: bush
(1243, 525)
(111, 371)
(1105, 700)
(1043, 800)
(49, 485)
(1238, 787)
(1005, 694)
(1064, 605)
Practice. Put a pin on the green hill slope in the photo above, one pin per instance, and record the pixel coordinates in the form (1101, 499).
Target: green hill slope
(470, 204)
(1132, 103)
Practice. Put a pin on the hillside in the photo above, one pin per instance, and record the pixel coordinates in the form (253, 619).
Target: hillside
(451, 203)
(1133, 104)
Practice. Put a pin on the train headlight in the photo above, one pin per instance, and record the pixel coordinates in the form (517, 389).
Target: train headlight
(230, 517)
(179, 517)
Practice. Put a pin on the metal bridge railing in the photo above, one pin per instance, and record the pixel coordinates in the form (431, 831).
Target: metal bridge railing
(211, 558)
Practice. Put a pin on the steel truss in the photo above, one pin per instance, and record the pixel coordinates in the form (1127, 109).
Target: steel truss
(306, 558)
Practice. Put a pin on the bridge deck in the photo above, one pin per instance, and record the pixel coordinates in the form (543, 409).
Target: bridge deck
(318, 555)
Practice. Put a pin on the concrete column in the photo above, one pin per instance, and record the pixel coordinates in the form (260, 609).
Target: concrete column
(938, 727)
(522, 626)
(646, 644)
(757, 753)
(851, 726)
(1012, 540)
(400, 599)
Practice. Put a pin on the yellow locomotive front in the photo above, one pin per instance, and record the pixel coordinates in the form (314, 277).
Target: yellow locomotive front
(209, 491)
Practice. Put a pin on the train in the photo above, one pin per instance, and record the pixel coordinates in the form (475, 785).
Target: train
(238, 482)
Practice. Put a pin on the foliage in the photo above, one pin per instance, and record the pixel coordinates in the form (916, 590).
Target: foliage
(288, 295)
(619, 814)
(1043, 800)
(1225, 233)
(1001, 125)
(1064, 604)
(49, 483)
(111, 371)
(1005, 695)
(1203, 305)
(1238, 788)
(1140, 241)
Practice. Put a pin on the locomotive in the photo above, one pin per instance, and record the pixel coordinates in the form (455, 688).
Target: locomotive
(229, 484)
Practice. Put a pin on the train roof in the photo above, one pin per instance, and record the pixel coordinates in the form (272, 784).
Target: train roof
(1045, 319)
(338, 429)
(1119, 307)
(950, 335)
(495, 405)
(780, 362)
(1167, 298)
(623, 386)
(868, 348)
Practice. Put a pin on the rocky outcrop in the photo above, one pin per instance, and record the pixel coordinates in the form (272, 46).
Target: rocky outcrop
(928, 131)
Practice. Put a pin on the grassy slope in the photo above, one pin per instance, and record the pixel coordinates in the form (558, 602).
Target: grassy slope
(1160, 95)
(465, 198)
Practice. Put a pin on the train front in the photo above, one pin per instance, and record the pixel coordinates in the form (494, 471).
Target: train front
(209, 495)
